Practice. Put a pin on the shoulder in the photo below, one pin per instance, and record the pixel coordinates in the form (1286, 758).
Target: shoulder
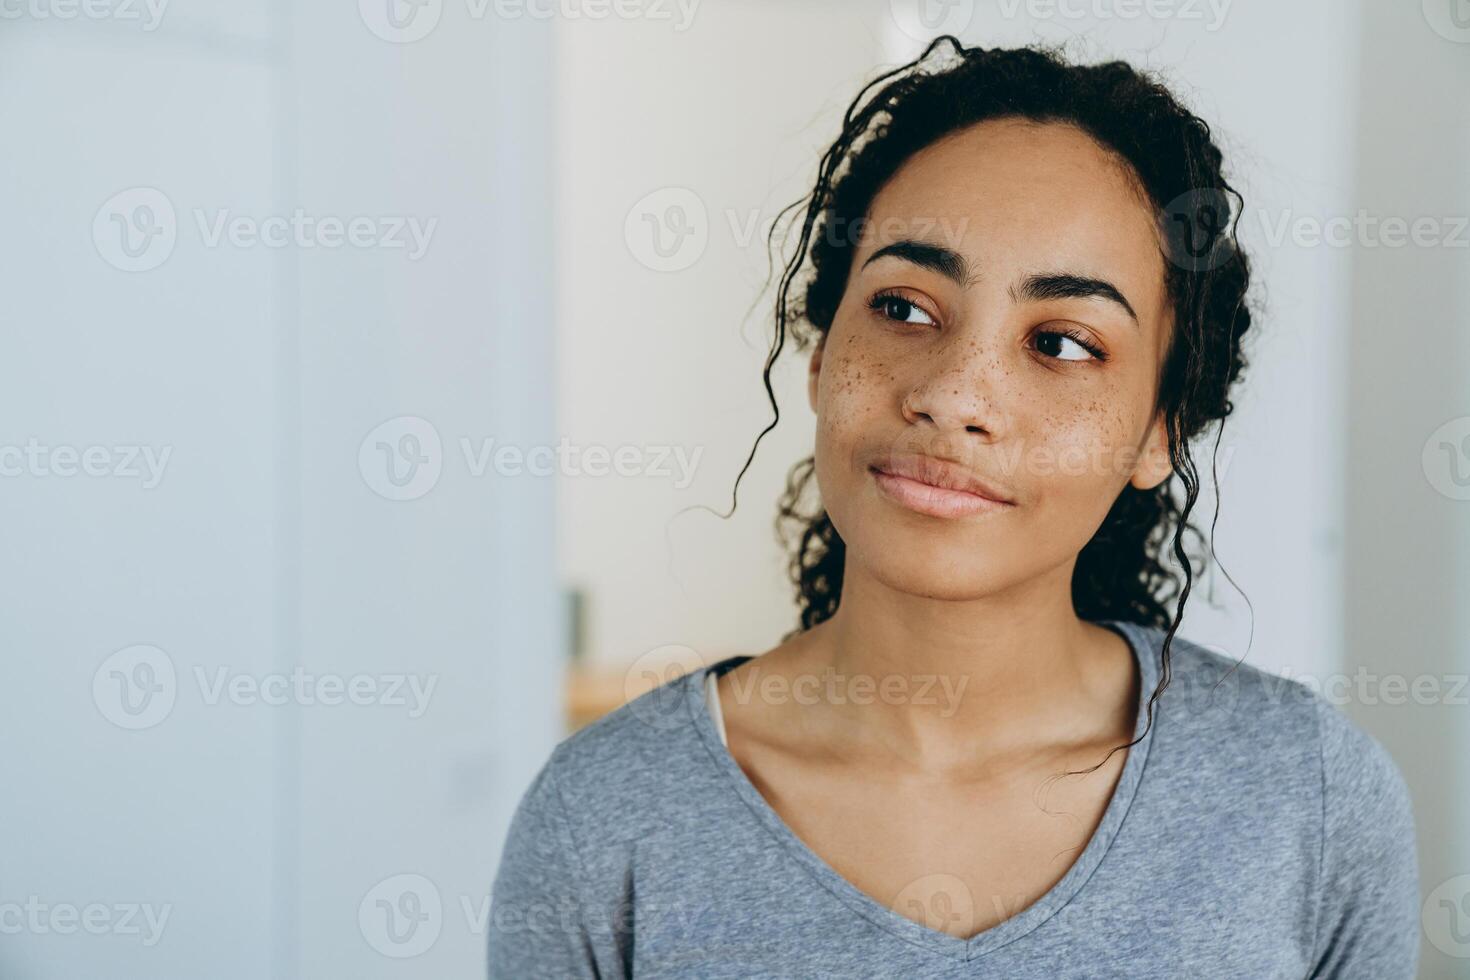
(1279, 776)
(1279, 741)
(1368, 873)
(633, 771)
(1248, 706)
(563, 881)
(1367, 808)
(1221, 705)
(1272, 737)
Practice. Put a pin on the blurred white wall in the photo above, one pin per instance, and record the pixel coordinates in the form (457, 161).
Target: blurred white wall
(1406, 569)
(178, 802)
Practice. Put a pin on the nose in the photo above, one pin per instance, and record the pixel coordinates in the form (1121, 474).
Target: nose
(955, 395)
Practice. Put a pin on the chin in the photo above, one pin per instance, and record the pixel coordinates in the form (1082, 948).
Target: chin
(935, 565)
(931, 584)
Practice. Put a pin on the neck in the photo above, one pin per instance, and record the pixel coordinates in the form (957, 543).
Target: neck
(1001, 676)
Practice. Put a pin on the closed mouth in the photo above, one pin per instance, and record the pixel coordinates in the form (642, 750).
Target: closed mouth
(939, 474)
(937, 488)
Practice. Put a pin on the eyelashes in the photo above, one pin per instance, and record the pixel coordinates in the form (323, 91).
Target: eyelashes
(1078, 338)
(884, 303)
(895, 307)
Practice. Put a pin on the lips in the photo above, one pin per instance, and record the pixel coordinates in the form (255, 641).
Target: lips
(937, 487)
(942, 474)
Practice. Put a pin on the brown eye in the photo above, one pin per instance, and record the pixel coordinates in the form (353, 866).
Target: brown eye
(892, 306)
(1067, 345)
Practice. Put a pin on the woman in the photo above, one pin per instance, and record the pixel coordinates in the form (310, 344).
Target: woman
(984, 752)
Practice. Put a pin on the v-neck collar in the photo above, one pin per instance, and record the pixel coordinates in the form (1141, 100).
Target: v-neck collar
(1140, 642)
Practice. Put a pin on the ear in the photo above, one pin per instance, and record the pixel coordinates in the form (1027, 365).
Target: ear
(1153, 465)
(814, 370)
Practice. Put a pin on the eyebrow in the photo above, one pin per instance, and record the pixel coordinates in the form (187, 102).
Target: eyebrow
(1037, 286)
(945, 261)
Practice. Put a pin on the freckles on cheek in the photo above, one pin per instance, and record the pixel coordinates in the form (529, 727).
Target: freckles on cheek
(851, 387)
(1083, 444)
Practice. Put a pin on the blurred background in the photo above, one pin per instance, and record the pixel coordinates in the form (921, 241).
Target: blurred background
(373, 373)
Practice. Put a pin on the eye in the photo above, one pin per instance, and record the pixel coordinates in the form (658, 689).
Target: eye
(893, 306)
(1068, 345)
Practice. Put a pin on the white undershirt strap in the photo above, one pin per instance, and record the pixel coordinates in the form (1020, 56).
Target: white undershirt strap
(712, 698)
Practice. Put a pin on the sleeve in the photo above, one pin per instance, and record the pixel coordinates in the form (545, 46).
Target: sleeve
(538, 925)
(1368, 887)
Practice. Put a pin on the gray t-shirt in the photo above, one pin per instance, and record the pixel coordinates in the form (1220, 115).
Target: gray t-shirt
(1255, 832)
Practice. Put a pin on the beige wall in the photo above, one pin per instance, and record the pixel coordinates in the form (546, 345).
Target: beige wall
(736, 109)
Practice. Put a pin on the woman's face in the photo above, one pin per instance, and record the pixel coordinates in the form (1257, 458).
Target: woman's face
(1005, 313)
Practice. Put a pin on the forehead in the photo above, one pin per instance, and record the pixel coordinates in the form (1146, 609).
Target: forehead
(1019, 196)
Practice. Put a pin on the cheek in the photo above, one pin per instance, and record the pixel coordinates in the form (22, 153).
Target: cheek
(851, 390)
(852, 403)
(1082, 448)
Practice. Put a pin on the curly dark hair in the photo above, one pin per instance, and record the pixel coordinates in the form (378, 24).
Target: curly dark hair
(1120, 573)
